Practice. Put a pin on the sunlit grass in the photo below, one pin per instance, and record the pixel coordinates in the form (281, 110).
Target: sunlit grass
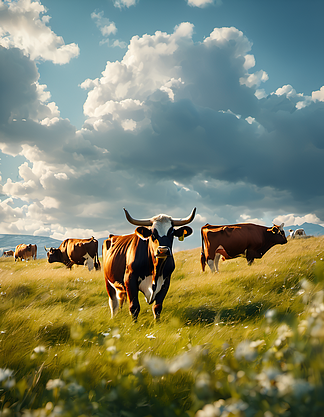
(64, 315)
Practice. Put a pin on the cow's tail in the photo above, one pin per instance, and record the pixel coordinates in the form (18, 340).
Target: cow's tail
(96, 258)
(97, 262)
(202, 255)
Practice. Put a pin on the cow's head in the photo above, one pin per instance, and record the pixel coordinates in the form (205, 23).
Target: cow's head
(53, 255)
(160, 230)
(278, 233)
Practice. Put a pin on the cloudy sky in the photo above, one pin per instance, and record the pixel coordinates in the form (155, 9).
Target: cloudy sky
(160, 106)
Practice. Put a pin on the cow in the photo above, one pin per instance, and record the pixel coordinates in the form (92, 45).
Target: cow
(142, 261)
(8, 253)
(231, 241)
(297, 233)
(76, 252)
(25, 252)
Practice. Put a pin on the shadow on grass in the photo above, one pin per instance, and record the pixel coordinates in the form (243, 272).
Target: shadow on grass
(237, 314)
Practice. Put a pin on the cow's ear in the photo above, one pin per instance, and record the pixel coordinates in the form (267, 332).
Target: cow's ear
(143, 232)
(182, 232)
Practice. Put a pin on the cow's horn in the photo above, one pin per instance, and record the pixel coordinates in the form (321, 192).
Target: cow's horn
(182, 222)
(135, 221)
(46, 249)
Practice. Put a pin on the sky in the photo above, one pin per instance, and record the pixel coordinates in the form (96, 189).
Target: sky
(159, 107)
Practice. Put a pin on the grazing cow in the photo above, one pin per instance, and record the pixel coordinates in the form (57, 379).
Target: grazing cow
(250, 240)
(25, 252)
(76, 252)
(8, 253)
(297, 233)
(142, 261)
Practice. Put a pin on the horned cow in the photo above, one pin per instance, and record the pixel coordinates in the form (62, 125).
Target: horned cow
(142, 261)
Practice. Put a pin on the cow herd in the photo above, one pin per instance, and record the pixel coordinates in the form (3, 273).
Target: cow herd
(143, 261)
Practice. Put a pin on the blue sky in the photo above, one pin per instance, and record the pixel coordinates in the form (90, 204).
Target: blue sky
(159, 106)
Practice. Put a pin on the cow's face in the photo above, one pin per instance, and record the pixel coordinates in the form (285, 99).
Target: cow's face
(278, 234)
(161, 236)
(54, 255)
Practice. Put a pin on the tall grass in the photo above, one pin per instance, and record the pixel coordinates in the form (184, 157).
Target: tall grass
(62, 354)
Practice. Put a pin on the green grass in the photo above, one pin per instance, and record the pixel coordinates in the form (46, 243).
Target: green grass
(55, 324)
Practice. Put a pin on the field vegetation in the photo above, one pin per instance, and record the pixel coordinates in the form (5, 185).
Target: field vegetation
(247, 341)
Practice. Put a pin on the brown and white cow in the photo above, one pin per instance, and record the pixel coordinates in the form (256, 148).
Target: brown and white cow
(76, 252)
(231, 241)
(142, 261)
(25, 252)
(8, 253)
(297, 233)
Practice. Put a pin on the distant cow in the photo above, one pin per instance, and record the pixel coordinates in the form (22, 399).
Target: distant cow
(8, 253)
(297, 233)
(142, 261)
(25, 252)
(76, 252)
(250, 240)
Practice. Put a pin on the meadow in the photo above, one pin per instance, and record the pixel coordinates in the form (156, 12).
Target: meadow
(247, 341)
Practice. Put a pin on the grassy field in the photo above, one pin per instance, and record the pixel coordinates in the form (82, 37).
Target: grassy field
(62, 354)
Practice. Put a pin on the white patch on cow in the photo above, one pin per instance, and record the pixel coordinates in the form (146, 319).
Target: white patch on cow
(88, 261)
(162, 224)
(146, 287)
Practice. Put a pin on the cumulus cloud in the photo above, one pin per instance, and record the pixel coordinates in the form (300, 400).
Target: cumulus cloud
(293, 220)
(24, 25)
(174, 124)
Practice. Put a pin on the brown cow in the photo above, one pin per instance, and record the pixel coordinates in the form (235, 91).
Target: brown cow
(142, 261)
(8, 253)
(250, 240)
(25, 252)
(76, 252)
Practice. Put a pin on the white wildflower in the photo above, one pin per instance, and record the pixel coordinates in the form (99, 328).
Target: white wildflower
(40, 349)
(209, 410)
(55, 383)
(245, 350)
(111, 349)
(318, 329)
(5, 374)
(156, 366)
(270, 315)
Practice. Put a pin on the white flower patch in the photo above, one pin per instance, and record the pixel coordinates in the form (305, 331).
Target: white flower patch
(55, 383)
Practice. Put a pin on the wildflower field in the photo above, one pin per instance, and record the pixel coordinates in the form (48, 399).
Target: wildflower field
(248, 341)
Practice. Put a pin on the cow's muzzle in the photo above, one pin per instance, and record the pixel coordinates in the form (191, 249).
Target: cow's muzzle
(163, 252)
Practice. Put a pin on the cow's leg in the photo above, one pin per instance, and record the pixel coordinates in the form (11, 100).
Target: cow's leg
(113, 301)
(157, 307)
(251, 255)
(131, 284)
(217, 256)
(211, 264)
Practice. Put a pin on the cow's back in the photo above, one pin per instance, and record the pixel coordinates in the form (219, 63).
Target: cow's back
(75, 249)
(115, 254)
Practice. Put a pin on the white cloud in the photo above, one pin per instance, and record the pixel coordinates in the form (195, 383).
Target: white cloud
(293, 220)
(200, 3)
(23, 26)
(318, 95)
(124, 3)
(105, 26)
